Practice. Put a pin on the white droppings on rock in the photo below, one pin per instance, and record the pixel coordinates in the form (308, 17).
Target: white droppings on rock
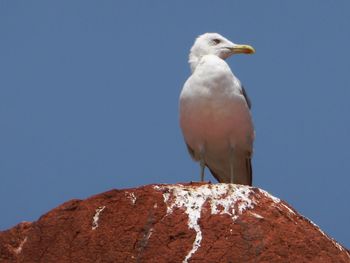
(268, 195)
(149, 234)
(277, 201)
(289, 210)
(157, 187)
(228, 199)
(256, 215)
(97, 217)
(223, 198)
(132, 197)
(19, 248)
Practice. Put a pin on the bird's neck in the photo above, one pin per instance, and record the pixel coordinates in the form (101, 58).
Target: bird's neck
(193, 60)
(212, 61)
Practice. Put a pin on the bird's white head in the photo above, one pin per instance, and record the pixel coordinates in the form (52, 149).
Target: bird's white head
(215, 44)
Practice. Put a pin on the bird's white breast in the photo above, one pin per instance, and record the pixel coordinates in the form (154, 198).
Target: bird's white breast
(212, 107)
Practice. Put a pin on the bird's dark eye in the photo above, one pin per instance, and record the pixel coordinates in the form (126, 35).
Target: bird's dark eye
(216, 41)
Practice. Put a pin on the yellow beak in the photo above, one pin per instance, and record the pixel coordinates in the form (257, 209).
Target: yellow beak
(246, 49)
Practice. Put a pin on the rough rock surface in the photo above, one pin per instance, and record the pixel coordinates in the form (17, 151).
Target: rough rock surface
(172, 223)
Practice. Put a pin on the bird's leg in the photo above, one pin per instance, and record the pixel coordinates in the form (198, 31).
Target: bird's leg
(231, 163)
(202, 165)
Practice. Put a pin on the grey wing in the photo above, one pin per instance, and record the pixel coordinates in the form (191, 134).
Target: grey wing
(249, 160)
(247, 169)
(192, 152)
(249, 103)
(214, 175)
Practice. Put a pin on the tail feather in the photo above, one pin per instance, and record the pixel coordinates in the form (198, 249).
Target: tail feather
(242, 172)
(249, 171)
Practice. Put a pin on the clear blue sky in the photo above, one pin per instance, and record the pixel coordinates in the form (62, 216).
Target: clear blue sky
(89, 99)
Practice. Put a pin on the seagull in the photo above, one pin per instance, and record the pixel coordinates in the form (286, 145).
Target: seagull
(214, 109)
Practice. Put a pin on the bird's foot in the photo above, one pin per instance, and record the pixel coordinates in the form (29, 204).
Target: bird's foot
(199, 182)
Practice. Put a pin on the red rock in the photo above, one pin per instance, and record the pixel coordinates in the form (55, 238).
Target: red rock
(172, 223)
